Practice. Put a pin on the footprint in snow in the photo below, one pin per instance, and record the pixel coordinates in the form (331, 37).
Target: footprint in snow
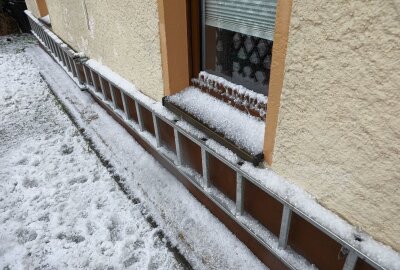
(130, 261)
(22, 161)
(66, 150)
(25, 235)
(30, 183)
(35, 162)
(114, 230)
(78, 180)
(75, 238)
(45, 218)
(156, 262)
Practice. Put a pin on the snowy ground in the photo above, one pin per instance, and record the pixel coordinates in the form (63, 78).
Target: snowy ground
(59, 206)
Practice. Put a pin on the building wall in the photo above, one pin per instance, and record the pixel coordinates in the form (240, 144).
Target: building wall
(122, 35)
(338, 132)
(32, 7)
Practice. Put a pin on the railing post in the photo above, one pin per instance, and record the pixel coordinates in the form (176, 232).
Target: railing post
(93, 80)
(205, 167)
(285, 227)
(53, 46)
(178, 146)
(351, 261)
(47, 40)
(103, 90)
(68, 64)
(38, 32)
(79, 75)
(114, 100)
(126, 106)
(71, 69)
(74, 68)
(85, 73)
(239, 194)
(56, 52)
(139, 115)
(63, 61)
(156, 129)
(50, 44)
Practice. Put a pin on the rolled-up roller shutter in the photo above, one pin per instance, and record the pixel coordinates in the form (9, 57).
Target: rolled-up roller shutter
(250, 17)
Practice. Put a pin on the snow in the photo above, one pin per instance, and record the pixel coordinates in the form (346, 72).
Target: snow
(198, 235)
(244, 130)
(59, 206)
(46, 19)
(238, 88)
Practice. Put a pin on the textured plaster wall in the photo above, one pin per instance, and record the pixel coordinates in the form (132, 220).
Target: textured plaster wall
(338, 131)
(32, 7)
(123, 35)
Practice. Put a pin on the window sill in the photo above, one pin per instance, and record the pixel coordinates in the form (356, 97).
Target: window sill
(239, 132)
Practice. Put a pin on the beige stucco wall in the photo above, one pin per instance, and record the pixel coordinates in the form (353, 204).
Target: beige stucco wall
(32, 7)
(338, 132)
(123, 35)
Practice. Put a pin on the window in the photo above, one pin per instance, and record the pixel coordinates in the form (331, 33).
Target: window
(237, 39)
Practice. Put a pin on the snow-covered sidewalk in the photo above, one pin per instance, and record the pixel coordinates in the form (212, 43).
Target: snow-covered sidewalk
(59, 206)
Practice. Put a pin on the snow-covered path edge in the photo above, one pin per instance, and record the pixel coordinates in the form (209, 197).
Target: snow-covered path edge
(198, 235)
(118, 179)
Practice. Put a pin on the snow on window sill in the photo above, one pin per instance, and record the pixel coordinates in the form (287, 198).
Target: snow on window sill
(240, 132)
(46, 20)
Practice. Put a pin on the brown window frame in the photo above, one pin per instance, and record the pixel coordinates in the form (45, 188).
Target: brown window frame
(42, 7)
(194, 26)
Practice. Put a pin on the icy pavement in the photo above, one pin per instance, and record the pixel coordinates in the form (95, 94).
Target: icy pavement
(59, 206)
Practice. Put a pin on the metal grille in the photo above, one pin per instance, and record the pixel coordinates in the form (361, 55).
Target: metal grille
(246, 59)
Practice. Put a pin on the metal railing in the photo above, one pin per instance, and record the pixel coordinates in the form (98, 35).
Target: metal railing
(61, 52)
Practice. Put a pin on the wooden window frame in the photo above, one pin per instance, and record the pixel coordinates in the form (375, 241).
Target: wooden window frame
(282, 23)
(174, 38)
(42, 8)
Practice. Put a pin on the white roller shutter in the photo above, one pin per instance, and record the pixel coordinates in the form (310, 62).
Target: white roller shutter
(250, 17)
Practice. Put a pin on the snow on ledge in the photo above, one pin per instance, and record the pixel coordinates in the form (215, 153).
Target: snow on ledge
(244, 130)
(46, 19)
(239, 88)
